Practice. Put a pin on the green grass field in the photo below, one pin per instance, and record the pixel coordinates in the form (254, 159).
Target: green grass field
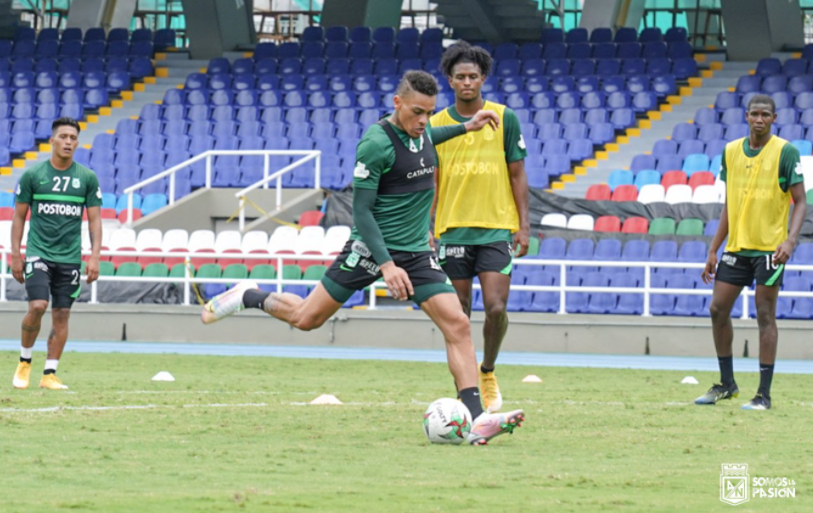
(235, 434)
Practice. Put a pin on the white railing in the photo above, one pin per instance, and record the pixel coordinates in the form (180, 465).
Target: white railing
(562, 288)
(207, 155)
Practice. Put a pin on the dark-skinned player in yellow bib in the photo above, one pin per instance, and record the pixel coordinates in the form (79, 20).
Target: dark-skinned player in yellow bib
(393, 189)
(481, 213)
(762, 173)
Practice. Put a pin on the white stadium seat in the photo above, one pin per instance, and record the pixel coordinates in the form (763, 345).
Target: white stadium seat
(678, 193)
(720, 186)
(706, 194)
(651, 193)
(228, 239)
(177, 238)
(283, 239)
(201, 239)
(581, 222)
(254, 240)
(123, 238)
(311, 238)
(5, 234)
(557, 220)
(149, 238)
(335, 239)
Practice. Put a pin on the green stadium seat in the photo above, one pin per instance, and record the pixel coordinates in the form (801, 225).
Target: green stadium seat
(106, 269)
(291, 272)
(236, 272)
(690, 227)
(314, 272)
(178, 271)
(156, 270)
(209, 271)
(810, 197)
(129, 269)
(662, 226)
(263, 272)
(533, 246)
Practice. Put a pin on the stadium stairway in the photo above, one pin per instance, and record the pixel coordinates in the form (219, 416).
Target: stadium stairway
(171, 69)
(701, 96)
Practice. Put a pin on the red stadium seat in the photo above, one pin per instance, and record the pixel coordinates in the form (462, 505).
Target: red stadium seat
(251, 262)
(311, 218)
(625, 193)
(123, 215)
(671, 178)
(144, 261)
(225, 262)
(598, 192)
(6, 213)
(199, 261)
(108, 213)
(635, 225)
(607, 224)
(701, 178)
(173, 261)
(118, 260)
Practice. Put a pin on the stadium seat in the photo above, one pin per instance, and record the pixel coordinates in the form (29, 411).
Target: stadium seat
(607, 224)
(662, 226)
(599, 192)
(635, 225)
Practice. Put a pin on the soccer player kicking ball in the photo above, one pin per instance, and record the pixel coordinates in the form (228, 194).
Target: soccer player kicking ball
(393, 191)
(482, 203)
(762, 173)
(56, 191)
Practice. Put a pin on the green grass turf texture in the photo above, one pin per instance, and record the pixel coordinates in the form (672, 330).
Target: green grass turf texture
(594, 439)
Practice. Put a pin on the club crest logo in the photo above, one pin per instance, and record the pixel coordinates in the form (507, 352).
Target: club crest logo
(75, 183)
(734, 483)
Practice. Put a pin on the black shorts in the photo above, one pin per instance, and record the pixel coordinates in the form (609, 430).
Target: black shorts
(355, 269)
(742, 270)
(464, 262)
(44, 280)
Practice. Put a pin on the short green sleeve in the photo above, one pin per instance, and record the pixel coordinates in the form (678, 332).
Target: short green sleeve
(722, 166)
(790, 167)
(514, 142)
(93, 193)
(25, 193)
(372, 160)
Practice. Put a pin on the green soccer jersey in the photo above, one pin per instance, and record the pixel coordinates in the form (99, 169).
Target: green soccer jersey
(403, 218)
(57, 200)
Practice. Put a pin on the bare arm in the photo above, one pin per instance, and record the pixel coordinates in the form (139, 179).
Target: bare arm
(519, 188)
(785, 250)
(722, 232)
(17, 228)
(95, 225)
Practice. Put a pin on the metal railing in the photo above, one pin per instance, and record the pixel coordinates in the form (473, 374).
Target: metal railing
(562, 288)
(207, 155)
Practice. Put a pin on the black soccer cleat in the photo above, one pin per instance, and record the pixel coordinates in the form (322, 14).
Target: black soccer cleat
(718, 392)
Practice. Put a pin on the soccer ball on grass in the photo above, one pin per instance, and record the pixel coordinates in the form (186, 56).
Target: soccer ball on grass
(447, 421)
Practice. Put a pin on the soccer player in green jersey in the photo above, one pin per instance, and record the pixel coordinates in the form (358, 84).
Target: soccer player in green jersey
(393, 192)
(56, 191)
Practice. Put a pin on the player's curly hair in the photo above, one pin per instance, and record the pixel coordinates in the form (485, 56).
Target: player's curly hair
(764, 99)
(461, 51)
(418, 81)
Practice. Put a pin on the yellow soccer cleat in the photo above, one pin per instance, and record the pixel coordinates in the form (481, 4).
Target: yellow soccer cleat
(51, 382)
(22, 376)
(490, 390)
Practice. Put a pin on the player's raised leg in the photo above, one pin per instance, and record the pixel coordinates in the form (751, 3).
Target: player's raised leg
(444, 309)
(765, 300)
(304, 314)
(723, 299)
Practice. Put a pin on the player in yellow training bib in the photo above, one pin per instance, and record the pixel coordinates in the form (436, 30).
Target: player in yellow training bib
(762, 173)
(481, 215)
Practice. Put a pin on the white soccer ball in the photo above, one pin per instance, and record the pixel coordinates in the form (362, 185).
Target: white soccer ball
(447, 421)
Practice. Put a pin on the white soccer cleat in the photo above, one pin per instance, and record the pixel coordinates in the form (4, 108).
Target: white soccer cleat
(226, 304)
(488, 425)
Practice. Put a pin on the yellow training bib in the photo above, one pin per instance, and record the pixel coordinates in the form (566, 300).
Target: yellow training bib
(474, 185)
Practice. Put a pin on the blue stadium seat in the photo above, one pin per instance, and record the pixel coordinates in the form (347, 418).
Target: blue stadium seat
(265, 67)
(602, 133)
(605, 50)
(619, 177)
(664, 147)
(601, 35)
(654, 50)
(791, 68)
(607, 67)
(554, 51)
(629, 50)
